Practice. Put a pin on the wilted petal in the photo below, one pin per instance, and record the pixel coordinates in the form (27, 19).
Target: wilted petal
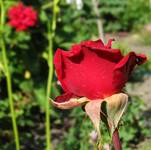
(115, 107)
(111, 107)
(67, 101)
(93, 110)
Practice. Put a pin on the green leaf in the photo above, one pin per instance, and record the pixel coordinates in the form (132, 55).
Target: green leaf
(43, 16)
(40, 96)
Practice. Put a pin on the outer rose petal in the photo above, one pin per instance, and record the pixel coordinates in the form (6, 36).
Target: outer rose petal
(98, 44)
(68, 101)
(64, 98)
(93, 44)
(141, 58)
(59, 65)
(124, 68)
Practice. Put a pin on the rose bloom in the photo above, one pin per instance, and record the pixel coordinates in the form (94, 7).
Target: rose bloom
(22, 17)
(93, 70)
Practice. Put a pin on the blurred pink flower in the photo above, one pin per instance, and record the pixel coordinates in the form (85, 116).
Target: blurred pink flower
(22, 17)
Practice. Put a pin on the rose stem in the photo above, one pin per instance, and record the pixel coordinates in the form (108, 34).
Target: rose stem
(116, 140)
(8, 78)
(51, 33)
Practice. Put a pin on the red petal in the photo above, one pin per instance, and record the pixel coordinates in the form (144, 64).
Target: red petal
(93, 44)
(59, 65)
(109, 44)
(141, 58)
(64, 98)
(111, 54)
(124, 68)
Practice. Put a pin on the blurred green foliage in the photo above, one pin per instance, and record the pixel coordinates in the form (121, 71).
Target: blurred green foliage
(125, 15)
(27, 53)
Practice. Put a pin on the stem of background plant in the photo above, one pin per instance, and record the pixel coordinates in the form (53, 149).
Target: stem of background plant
(116, 140)
(8, 78)
(51, 34)
(95, 4)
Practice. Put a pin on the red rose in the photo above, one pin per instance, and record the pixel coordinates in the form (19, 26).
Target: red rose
(93, 70)
(94, 74)
(22, 17)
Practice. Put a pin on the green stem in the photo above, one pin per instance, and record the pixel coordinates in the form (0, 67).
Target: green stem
(8, 79)
(48, 92)
(48, 5)
(51, 34)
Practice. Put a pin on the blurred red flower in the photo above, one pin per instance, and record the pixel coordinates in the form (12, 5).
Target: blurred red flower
(22, 17)
(94, 70)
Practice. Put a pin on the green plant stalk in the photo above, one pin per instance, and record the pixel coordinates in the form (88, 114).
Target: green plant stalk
(10, 97)
(8, 79)
(51, 33)
(48, 92)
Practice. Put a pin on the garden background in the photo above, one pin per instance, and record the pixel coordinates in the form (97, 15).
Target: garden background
(29, 57)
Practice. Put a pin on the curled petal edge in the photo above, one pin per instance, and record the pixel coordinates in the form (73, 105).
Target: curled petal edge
(71, 103)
